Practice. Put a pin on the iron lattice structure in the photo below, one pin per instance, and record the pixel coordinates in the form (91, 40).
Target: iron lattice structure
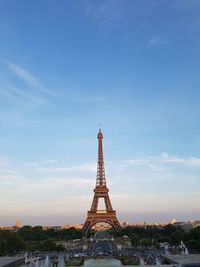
(101, 191)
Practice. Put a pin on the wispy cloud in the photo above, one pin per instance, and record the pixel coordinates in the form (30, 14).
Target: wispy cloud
(166, 158)
(155, 201)
(22, 95)
(50, 161)
(27, 77)
(42, 162)
(83, 167)
(5, 92)
(190, 20)
(156, 41)
(45, 188)
(31, 164)
(17, 119)
(63, 181)
(106, 13)
(191, 161)
(185, 4)
(7, 140)
(3, 161)
(8, 172)
(155, 170)
(38, 100)
(22, 194)
(20, 183)
(89, 99)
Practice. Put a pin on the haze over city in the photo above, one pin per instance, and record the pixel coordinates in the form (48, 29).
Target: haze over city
(67, 67)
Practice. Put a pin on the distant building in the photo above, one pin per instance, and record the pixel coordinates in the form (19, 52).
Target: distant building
(187, 226)
(17, 224)
(144, 224)
(11, 227)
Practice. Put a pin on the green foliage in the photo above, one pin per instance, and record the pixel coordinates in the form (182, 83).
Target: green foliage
(153, 235)
(193, 239)
(34, 238)
(128, 260)
(36, 233)
(195, 233)
(146, 242)
(48, 245)
(29, 233)
(135, 239)
(10, 243)
(75, 262)
(176, 237)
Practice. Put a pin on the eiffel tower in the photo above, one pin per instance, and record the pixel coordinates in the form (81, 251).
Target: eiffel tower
(101, 191)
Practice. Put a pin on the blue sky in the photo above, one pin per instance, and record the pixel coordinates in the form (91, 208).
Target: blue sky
(68, 66)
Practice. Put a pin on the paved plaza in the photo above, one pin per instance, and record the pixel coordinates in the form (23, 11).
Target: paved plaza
(11, 261)
(184, 259)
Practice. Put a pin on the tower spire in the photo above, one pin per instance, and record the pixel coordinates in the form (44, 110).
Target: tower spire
(101, 179)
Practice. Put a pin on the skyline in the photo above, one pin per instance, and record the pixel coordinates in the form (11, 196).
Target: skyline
(65, 68)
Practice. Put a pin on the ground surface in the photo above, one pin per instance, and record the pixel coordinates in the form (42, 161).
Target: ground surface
(184, 259)
(11, 261)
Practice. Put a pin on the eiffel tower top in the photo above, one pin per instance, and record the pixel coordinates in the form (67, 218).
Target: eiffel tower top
(100, 135)
(101, 179)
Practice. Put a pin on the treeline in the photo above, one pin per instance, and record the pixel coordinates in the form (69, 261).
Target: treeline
(29, 238)
(28, 233)
(10, 242)
(153, 235)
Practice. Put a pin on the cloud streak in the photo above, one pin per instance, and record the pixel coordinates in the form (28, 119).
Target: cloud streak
(82, 167)
(37, 100)
(89, 99)
(166, 158)
(28, 78)
(191, 161)
(106, 13)
(22, 95)
(3, 161)
(44, 189)
(17, 119)
(156, 41)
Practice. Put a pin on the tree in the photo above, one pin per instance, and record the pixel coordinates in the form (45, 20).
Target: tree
(3, 250)
(48, 245)
(10, 242)
(176, 237)
(146, 242)
(135, 239)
